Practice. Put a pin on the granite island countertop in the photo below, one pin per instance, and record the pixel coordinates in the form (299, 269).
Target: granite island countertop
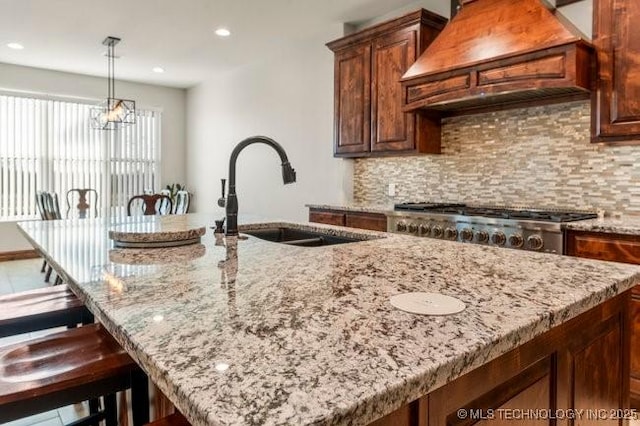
(241, 331)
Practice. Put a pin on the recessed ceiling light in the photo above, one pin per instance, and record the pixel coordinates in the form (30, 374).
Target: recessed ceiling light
(15, 46)
(158, 69)
(223, 32)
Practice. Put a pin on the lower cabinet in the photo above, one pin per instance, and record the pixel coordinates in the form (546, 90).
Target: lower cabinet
(578, 367)
(362, 220)
(634, 314)
(615, 248)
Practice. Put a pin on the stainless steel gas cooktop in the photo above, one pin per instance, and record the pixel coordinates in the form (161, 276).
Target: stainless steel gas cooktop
(530, 229)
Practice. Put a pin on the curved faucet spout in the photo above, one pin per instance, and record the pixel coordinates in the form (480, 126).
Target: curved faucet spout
(288, 176)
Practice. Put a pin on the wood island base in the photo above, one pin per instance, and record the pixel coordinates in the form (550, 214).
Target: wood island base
(579, 368)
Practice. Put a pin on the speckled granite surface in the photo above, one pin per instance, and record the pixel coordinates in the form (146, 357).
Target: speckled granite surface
(259, 333)
(355, 207)
(622, 225)
(157, 229)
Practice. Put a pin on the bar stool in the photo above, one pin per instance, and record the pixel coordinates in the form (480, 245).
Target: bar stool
(40, 309)
(66, 368)
(175, 419)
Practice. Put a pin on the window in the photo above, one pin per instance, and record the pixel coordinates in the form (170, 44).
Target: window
(49, 145)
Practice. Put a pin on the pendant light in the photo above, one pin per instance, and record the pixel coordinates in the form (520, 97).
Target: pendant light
(112, 113)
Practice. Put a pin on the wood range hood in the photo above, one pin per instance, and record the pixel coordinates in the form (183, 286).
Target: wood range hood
(497, 54)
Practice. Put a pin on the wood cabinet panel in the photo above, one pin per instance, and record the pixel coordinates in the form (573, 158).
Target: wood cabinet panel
(362, 220)
(373, 222)
(616, 101)
(536, 396)
(420, 91)
(634, 315)
(412, 414)
(353, 99)
(615, 248)
(327, 217)
(550, 67)
(597, 381)
(391, 128)
(612, 247)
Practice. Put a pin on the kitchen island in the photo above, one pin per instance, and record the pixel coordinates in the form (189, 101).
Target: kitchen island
(242, 331)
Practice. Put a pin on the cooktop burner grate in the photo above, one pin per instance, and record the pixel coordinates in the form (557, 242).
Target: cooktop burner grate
(500, 213)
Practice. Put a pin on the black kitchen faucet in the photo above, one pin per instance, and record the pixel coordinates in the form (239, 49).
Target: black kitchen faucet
(231, 201)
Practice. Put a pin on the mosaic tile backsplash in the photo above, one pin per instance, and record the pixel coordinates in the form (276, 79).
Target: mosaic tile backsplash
(538, 157)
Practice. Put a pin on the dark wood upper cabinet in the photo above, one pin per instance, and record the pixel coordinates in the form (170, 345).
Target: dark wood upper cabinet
(616, 101)
(391, 128)
(352, 100)
(369, 119)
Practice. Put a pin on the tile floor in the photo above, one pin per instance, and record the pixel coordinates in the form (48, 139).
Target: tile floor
(24, 275)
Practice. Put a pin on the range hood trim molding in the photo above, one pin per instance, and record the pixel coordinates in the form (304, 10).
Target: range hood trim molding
(459, 87)
(483, 63)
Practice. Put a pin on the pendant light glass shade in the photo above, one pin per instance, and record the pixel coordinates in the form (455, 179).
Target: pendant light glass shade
(113, 112)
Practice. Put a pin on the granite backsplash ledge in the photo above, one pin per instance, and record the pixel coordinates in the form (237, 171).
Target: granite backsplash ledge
(538, 156)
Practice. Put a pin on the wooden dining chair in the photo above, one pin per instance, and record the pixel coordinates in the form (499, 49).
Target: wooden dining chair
(182, 202)
(152, 204)
(51, 206)
(66, 368)
(40, 207)
(49, 209)
(84, 199)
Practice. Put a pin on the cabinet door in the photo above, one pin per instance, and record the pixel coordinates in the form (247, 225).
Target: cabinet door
(353, 100)
(392, 129)
(634, 314)
(327, 217)
(371, 221)
(616, 103)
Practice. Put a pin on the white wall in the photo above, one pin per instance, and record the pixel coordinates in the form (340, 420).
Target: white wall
(289, 98)
(172, 102)
(581, 15)
(442, 8)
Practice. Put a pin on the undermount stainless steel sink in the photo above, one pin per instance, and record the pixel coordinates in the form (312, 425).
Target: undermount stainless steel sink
(302, 238)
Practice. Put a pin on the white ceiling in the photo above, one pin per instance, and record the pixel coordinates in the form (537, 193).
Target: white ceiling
(177, 35)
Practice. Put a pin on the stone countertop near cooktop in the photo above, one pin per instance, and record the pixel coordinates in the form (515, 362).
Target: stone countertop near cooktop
(355, 207)
(629, 225)
(241, 331)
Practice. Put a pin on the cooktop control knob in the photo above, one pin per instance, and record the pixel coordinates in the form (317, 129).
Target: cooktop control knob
(401, 226)
(436, 231)
(450, 233)
(535, 242)
(516, 240)
(424, 229)
(413, 228)
(498, 238)
(466, 234)
(482, 236)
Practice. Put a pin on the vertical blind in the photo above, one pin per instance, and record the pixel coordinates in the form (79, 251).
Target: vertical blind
(49, 145)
